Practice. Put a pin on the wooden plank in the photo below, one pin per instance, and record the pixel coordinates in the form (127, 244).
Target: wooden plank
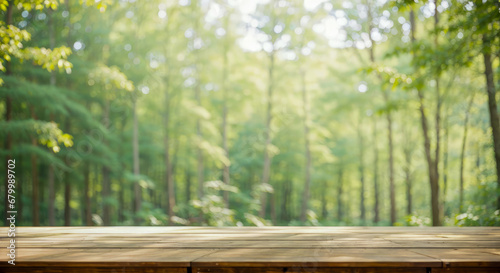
(317, 258)
(215, 244)
(305, 269)
(105, 257)
(463, 257)
(228, 244)
(467, 270)
(58, 269)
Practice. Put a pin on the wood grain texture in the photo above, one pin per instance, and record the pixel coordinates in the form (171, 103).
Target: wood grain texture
(306, 269)
(121, 269)
(251, 249)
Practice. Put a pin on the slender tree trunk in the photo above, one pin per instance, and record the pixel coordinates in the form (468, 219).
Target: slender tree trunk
(392, 190)
(445, 160)
(492, 107)
(187, 189)
(225, 171)
(121, 202)
(431, 163)
(199, 133)
(307, 180)
(67, 185)
(106, 183)
(376, 217)
(121, 192)
(462, 153)
(169, 181)
(283, 200)
(267, 158)
(287, 192)
(408, 148)
(339, 195)
(52, 195)
(273, 208)
(408, 178)
(200, 161)
(86, 194)
(35, 187)
(437, 123)
(361, 175)
(67, 200)
(168, 165)
(175, 159)
(324, 211)
(135, 150)
(385, 95)
(34, 176)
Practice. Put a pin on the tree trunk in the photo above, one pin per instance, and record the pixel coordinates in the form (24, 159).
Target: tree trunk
(385, 95)
(462, 154)
(67, 184)
(376, 217)
(199, 133)
(135, 150)
(392, 190)
(324, 211)
(492, 107)
(86, 191)
(437, 124)
(225, 171)
(121, 192)
(361, 174)
(106, 183)
(431, 166)
(267, 134)
(200, 161)
(168, 165)
(339, 195)
(52, 195)
(169, 182)
(431, 163)
(187, 189)
(285, 212)
(408, 178)
(34, 177)
(273, 209)
(307, 180)
(445, 160)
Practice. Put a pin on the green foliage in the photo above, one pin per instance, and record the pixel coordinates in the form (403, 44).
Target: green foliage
(418, 220)
(478, 216)
(212, 205)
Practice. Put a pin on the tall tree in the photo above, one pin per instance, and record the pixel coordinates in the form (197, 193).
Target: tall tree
(462, 152)
(432, 162)
(388, 115)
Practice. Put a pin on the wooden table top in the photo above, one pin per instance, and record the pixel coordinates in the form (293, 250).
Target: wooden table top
(435, 247)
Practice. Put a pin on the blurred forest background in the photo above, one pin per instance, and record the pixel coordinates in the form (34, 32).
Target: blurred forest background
(262, 112)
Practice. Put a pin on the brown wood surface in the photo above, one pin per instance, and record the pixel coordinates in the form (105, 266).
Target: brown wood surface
(306, 269)
(249, 249)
